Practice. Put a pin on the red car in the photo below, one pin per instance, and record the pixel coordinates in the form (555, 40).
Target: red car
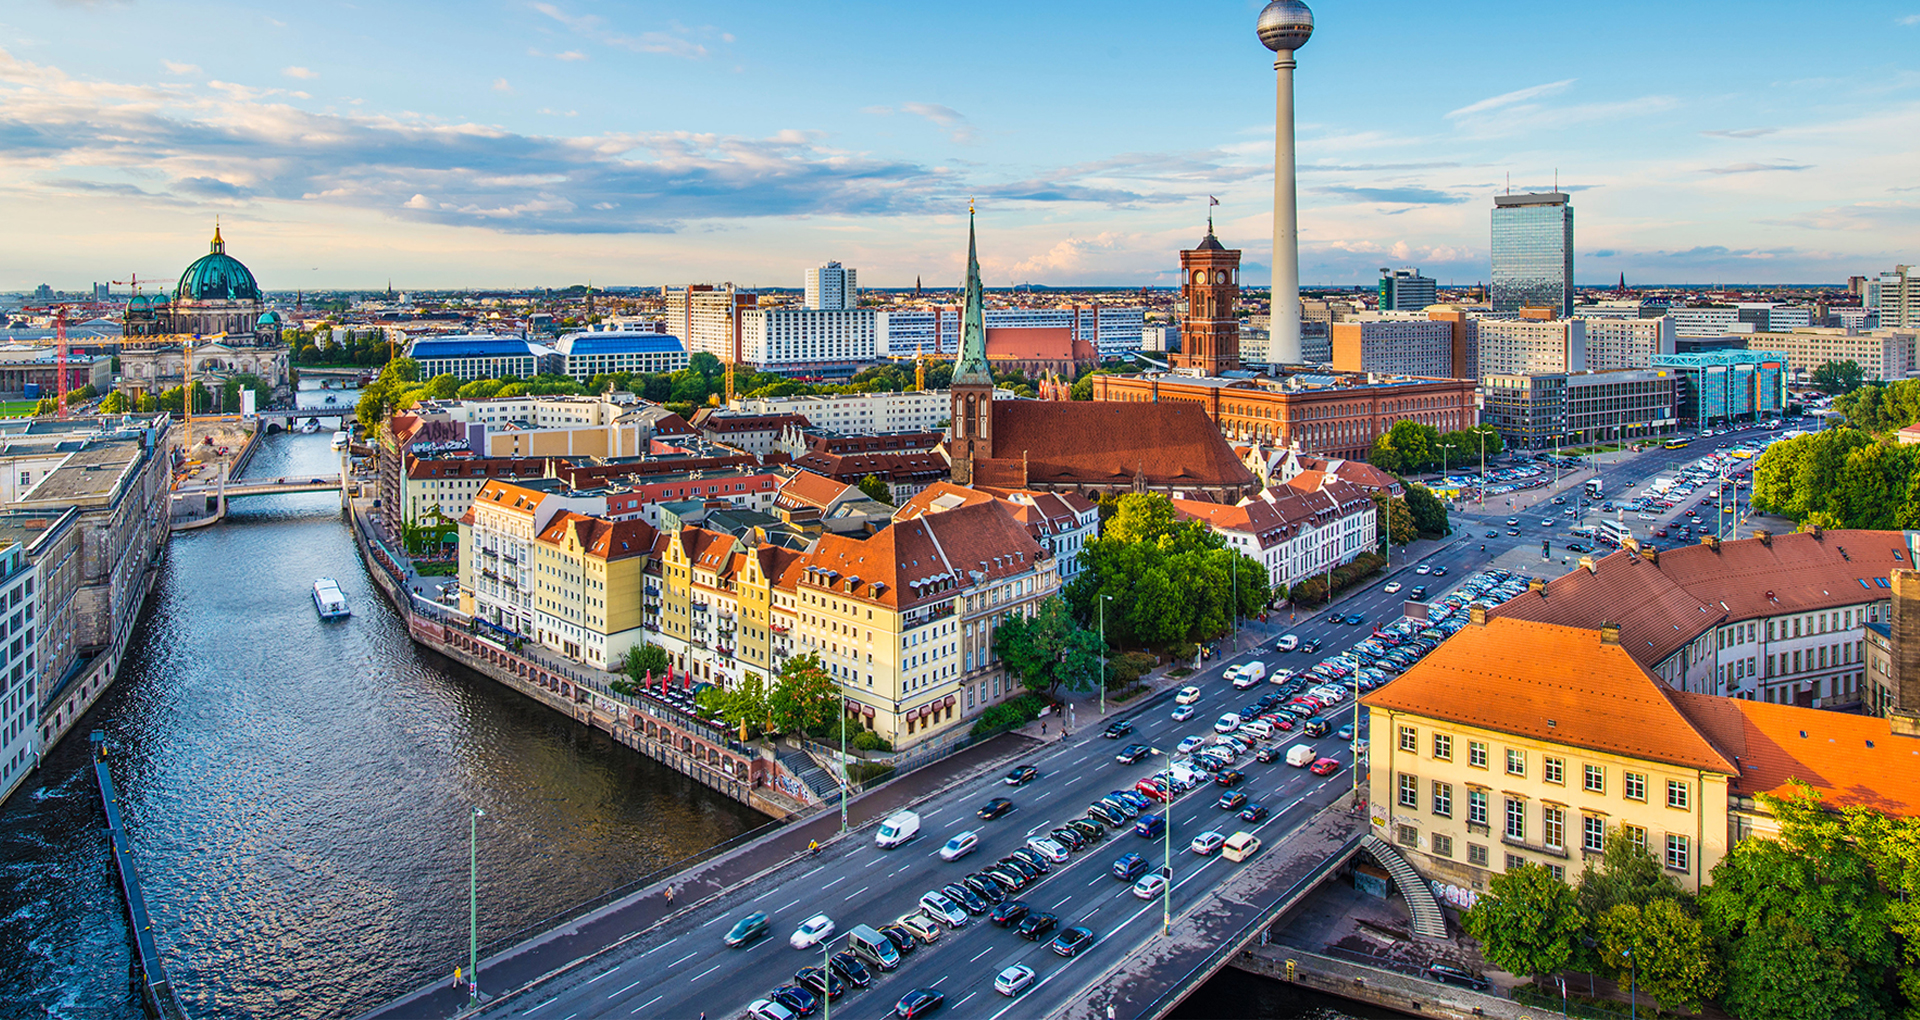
(1151, 788)
(1324, 767)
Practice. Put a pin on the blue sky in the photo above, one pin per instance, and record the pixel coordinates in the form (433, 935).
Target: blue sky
(507, 142)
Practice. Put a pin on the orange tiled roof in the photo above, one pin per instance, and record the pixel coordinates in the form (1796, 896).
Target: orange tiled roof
(1554, 683)
(1850, 759)
(806, 488)
(1106, 443)
(927, 559)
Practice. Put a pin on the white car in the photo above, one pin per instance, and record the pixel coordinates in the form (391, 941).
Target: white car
(1280, 676)
(960, 846)
(1287, 643)
(1187, 696)
(1227, 723)
(767, 1009)
(1149, 886)
(1423, 569)
(1206, 843)
(1392, 586)
(1013, 980)
(812, 931)
(1190, 745)
(1046, 848)
(1183, 712)
(944, 910)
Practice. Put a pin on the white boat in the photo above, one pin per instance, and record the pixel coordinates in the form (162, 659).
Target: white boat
(329, 600)
(310, 426)
(340, 440)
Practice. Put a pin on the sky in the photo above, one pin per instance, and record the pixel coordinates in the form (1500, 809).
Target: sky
(508, 143)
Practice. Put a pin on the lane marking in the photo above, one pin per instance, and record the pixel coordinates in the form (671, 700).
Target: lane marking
(833, 883)
(789, 906)
(873, 862)
(963, 1002)
(659, 947)
(814, 872)
(624, 991)
(647, 1003)
(604, 973)
(857, 892)
(982, 952)
(549, 1002)
(704, 973)
(717, 919)
(1063, 902)
(683, 959)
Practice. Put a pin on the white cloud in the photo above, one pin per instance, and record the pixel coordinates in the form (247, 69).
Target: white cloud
(501, 85)
(1911, 19)
(299, 72)
(675, 43)
(955, 122)
(175, 67)
(419, 202)
(1510, 98)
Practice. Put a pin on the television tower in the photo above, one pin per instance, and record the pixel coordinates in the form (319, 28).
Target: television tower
(1285, 26)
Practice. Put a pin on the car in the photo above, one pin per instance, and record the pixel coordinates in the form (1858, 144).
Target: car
(1189, 745)
(1455, 976)
(1014, 865)
(1041, 863)
(1117, 729)
(820, 981)
(1392, 586)
(1439, 571)
(1253, 812)
(1010, 913)
(1310, 645)
(918, 1003)
(960, 846)
(1022, 775)
(1548, 523)
(1513, 531)
(1492, 533)
(1068, 838)
(1150, 886)
(1287, 643)
(1355, 620)
(1069, 943)
(1132, 753)
(811, 932)
(941, 909)
(1423, 569)
(1181, 713)
(797, 999)
(1088, 828)
(1129, 867)
(1270, 753)
(1345, 732)
(1037, 924)
(1122, 808)
(1230, 777)
(995, 808)
(1206, 843)
(1227, 723)
(1240, 846)
(1149, 826)
(748, 928)
(1153, 788)
(1187, 696)
(903, 940)
(767, 1009)
(1048, 849)
(1013, 980)
(1324, 767)
(1105, 815)
(1419, 592)
(917, 925)
(985, 886)
(848, 966)
(1513, 522)
(1232, 800)
(1009, 879)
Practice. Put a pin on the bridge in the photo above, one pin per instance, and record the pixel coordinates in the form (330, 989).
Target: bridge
(266, 487)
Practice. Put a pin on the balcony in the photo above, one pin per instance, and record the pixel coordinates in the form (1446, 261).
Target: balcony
(697, 642)
(777, 628)
(701, 607)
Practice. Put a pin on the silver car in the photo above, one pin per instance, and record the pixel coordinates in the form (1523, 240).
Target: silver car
(940, 908)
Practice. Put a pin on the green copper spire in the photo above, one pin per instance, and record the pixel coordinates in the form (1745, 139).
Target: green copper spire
(972, 368)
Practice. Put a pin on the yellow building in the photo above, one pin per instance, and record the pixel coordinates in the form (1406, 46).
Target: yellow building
(721, 610)
(586, 579)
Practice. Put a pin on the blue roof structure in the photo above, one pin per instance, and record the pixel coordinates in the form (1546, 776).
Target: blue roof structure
(470, 347)
(620, 343)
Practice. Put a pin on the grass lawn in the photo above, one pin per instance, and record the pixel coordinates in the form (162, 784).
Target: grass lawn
(17, 408)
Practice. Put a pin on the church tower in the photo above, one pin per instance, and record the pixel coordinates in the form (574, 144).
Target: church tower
(971, 392)
(1210, 281)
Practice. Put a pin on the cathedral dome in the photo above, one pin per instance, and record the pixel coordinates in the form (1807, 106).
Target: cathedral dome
(217, 276)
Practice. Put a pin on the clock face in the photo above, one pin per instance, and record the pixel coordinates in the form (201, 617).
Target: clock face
(1199, 276)
(1220, 276)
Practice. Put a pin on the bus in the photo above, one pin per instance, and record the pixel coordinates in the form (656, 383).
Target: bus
(1594, 488)
(1617, 531)
(1677, 444)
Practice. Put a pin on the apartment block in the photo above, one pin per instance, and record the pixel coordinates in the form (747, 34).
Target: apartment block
(498, 579)
(794, 339)
(1895, 296)
(1525, 345)
(832, 286)
(1394, 343)
(707, 317)
(1543, 410)
(1626, 342)
(861, 413)
(1300, 528)
(587, 586)
(1883, 354)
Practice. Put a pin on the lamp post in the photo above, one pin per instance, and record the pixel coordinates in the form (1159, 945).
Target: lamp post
(845, 773)
(1166, 891)
(1482, 433)
(1102, 603)
(826, 979)
(473, 906)
(1633, 986)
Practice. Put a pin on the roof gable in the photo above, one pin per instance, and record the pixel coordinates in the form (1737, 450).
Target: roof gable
(1100, 442)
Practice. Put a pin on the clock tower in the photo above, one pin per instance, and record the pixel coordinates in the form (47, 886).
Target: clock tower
(1210, 281)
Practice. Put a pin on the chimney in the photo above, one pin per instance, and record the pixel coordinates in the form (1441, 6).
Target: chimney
(1538, 584)
(1765, 536)
(1477, 614)
(1904, 624)
(1711, 542)
(1609, 633)
(1814, 530)
(1592, 565)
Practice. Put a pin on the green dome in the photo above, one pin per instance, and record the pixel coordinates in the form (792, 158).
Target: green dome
(217, 276)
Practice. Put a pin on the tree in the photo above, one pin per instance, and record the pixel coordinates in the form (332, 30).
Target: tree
(1049, 650)
(230, 391)
(1665, 950)
(1627, 875)
(1527, 922)
(804, 698)
(115, 403)
(1400, 527)
(444, 386)
(745, 706)
(876, 489)
(1836, 377)
(1429, 514)
(648, 660)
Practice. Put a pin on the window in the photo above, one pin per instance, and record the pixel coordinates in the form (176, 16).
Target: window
(1476, 754)
(1596, 779)
(1477, 807)
(1408, 835)
(1634, 785)
(1677, 794)
(1476, 855)
(1516, 762)
(1409, 791)
(1443, 799)
(1409, 739)
(1593, 833)
(1554, 770)
(1635, 835)
(1442, 845)
(1443, 747)
(1515, 861)
(1516, 818)
(1677, 853)
(1553, 828)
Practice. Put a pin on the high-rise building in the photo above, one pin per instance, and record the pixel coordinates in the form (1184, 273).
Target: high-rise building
(792, 339)
(1522, 346)
(1533, 252)
(1285, 26)
(1626, 343)
(707, 318)
(1897, 297)
(1405, 290)
(832, 286)
(1394, 343)
(1210, 335)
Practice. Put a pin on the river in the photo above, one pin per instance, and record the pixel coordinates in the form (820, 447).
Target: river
(297, 794)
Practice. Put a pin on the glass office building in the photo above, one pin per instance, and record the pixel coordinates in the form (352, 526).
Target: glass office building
(1718, 386)
(1533, 252)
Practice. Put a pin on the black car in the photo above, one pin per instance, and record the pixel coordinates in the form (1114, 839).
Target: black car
(1037, 924)
(969, 900)
(918, 1003)
(1100, 813)
(985, 887)
(1116, 730)
(1008, 878)
(1455, 976)
(1251, 712)
(1312, 645)
(902, 939)
(1033, 860)
(1230, 777)
(1132, 753)
(1069, 943)
(821, 982)
(1027, 872)
(1068, 837)
(1232, 800)
(1269, 753)
(1010, 913)
(1088, 828)
(1439, 571)
(1022, 775)
(996, 807)
(849, 966)
(797, 999)
(1254, 812)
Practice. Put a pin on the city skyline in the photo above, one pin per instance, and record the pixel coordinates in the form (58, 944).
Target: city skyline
(549, 143)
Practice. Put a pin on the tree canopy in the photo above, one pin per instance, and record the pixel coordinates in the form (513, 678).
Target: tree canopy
(1049, 650)
(1166, 581)
(1837, 377)
(1410, 447)
(1840, 478)
(1877, 408)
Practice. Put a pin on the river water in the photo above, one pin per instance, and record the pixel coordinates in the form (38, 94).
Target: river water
(297, 794)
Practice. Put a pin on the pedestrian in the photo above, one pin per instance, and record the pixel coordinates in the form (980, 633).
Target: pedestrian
(669, 896)
(1043, 729)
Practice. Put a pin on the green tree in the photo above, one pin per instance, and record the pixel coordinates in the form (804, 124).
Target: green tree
(230, 391)
(1400, 526)
(876, 489)
(1467, 443)
(1664, 948)
(1429, 514)
(1048, 650)
(804, 698)
(1627, 874)
(444, 386)
(1527, 922)
(1836, 377)
(115, 403)
(1384, 456)
(746, 706)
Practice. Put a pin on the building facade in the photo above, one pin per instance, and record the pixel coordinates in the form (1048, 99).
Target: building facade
(1533, 253)
(1542, 410)
(587, 584)
(1394, 343)
(1884, 355)
(1626, 342)
(832, 286)
(585, 355)
(1301, 528)
(468, 358)
(1405, 290)
(1525, 345)
(798, 339)
(1895, 296)
(19, 696)
(1716, 386)
(1210, 284)
(863, 413)
(708, 318)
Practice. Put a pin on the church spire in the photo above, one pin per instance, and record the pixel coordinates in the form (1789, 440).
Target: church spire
(971, 368)
(218, 246)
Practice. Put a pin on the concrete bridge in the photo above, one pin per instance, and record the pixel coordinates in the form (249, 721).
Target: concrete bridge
(330, 419)
(267, 487)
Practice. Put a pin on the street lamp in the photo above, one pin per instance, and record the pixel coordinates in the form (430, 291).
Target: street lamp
(1102, 603)
(473, 906)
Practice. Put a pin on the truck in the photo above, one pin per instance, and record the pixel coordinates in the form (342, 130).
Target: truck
(1594, 488)
(896, 829)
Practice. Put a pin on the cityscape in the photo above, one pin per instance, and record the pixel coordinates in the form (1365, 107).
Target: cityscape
(805, 539)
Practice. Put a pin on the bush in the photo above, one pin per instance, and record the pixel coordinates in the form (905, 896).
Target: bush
(867, 771)
(1128, 667)
(867, 740)
(1010, 714)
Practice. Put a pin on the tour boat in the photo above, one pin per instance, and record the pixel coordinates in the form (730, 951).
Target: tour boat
(310, 426)
(328, 599)
(340, 440)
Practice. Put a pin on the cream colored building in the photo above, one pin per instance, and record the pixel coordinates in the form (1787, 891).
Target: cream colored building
(497, 537)
(1883, 354)
(586, 586)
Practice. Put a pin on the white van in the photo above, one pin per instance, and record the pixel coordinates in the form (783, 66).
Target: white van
(897, 829)
(1227, 723)
(1300, 755)
(1259, 729)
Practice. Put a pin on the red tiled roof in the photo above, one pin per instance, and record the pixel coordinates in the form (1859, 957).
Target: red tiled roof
(1850, 759)
(806, 488)
(1662, 606)
(888, 466)
(602, 539)
(1552, 683)
(943, 552)
(1036, 343)
(1107, 443)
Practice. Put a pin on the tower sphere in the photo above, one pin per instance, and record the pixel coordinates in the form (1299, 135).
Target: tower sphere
(1285, 25)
